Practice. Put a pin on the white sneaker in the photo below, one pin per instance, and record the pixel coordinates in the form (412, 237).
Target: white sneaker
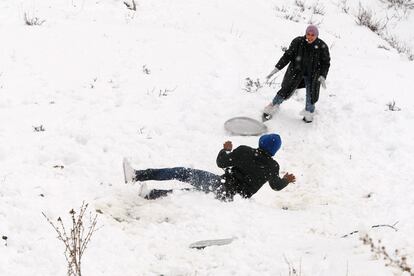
(271, 109)
(268, 111)
(144, 190)
(307, 116)
(129, 172)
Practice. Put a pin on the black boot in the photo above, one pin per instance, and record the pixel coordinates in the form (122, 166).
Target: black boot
(154, 194)
(306, 121)
(266, 117)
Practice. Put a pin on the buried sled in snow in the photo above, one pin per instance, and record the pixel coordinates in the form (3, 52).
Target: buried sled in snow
(203, 244)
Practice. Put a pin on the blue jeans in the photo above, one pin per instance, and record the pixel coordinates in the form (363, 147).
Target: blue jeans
(277, 100)
(308, 84)
(199, 179)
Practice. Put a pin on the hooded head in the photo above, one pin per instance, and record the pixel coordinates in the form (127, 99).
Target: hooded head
(312, 29)
(270, 143)
(311, 33)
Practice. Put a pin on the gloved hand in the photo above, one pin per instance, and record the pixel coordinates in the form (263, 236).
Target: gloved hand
(272, 73)
(321, 79)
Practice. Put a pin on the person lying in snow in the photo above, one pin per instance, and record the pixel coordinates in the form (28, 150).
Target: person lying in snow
(246, 171)
(309, 61)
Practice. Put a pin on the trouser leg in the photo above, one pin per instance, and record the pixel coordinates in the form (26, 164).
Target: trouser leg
(199, 179)
(309, 106)
(277, 100)
(290, 82)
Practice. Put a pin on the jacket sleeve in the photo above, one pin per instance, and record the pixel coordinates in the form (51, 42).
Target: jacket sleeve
(289, 55)
(224, 159)
(325, 60)
(275, 182)
(278, 183)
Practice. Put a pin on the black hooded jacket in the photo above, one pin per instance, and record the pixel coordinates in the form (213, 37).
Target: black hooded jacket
(247, 170)
(303, 58)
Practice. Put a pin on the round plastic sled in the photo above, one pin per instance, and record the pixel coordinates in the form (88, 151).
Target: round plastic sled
(245, 126)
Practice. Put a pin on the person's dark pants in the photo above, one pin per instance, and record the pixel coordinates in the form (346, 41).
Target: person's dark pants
(310, 107)
(201, 180)
(278, 99)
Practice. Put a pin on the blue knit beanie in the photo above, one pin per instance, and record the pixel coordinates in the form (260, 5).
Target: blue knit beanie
(270, 143)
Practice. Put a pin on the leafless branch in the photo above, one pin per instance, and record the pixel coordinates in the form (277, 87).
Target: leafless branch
(344, 6)
(374, 226)
(166, 92)
(300, 4)
(392, 260)
(392, 107)
(292, 269)
(76, 238)
(33, 21)
(252, 85)
(365, 17)
(132, 6)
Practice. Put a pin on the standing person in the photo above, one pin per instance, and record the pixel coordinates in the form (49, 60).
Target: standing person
(246, 171)
(309, 61)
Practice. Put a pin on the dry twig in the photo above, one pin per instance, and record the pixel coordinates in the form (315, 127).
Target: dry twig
(373, 226)
(76, 239)
(380, 252)
(132, 6)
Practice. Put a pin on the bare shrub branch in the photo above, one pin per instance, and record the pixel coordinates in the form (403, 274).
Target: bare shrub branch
(300, 4)
(401, 47)
(4, 238)
(379, 251)
(399, 4)
(315, 22)
(344, 6)
(318, 8)
(281, 9)
(252, 86)
(132, 6)
(166, 92)
(374, 226)
(392, 107)
(383, 47)
(292, 270)
(39, 128)
(291, 17)
(32, 21)
(76, 238)
(146, 70)
(366, 18)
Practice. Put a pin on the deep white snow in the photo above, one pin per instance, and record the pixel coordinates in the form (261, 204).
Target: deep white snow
(80, 75)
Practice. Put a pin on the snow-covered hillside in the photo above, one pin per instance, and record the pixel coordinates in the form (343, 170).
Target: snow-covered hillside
(96, 82)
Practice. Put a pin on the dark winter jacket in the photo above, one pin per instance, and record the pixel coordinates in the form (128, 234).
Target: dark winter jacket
(303, 58)
(247, 170)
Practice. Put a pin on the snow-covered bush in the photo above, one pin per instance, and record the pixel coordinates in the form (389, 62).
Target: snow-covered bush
(146, 70)
(392, 107)
(32, 20)
(365, 17)
(404, 4)
(252, 85)
(395, 259)
(131, 5)
(318, 8)
(344, 6)
(300, 4)
(300, 12)
(401, 47)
